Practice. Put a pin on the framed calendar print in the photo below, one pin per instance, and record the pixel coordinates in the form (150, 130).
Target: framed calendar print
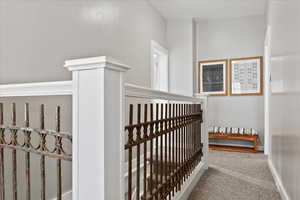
(246, 76)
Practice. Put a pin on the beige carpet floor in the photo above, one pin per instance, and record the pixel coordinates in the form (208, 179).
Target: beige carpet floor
(236, 176)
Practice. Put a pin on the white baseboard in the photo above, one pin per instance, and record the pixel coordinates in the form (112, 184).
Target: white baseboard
(66, 196)
(282, 191)
(190, 184)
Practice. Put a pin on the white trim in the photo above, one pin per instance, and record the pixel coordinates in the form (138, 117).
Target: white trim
(95, 62)
(282, 191)
(190, 184)
(36, 89)
(147, 93)
(267, 77)
(75, 135)
(159, 47)
(154, 46)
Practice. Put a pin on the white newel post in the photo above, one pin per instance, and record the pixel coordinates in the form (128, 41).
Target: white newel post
(98, 124)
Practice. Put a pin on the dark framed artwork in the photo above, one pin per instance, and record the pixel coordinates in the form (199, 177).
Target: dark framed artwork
(246, 76)
(212, 77)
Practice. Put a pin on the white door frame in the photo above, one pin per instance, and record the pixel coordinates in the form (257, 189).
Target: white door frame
(156, 47)
(267, 88)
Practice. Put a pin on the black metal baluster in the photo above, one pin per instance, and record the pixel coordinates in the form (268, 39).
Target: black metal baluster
(138, 159)
(58, 151)
(2, 183)
(14, 153)
(27, 154)
(145, 138)
(151, 151)
(42, 148)
(129, 144)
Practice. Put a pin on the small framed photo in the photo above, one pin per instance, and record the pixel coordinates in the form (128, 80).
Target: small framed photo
(246, 76)
(212, 77)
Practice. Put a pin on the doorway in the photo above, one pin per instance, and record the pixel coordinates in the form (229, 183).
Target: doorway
(159, 67)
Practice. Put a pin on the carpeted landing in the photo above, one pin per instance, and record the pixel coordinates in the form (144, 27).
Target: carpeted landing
(236, 176)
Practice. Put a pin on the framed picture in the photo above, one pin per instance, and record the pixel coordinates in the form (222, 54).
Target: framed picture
(213, 77)
(246, 76)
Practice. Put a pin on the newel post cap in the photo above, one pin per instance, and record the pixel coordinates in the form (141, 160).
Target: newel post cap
(94, 63)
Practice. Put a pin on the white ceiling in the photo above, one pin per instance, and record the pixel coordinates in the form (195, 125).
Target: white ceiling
(209, 9)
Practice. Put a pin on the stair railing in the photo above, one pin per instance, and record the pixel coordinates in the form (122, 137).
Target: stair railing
(108, 138)
(24, 145)
(112, 121)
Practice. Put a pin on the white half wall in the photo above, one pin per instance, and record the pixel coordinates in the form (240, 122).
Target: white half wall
(233, 38)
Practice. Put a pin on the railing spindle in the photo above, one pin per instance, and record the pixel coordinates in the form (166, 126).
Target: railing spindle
(14, 153)
(2, 183)
(161, 150)
(151, 151)
(27, 154)
(190, 140)
(182, 142)
(173, 148)
(43, 148)
(138, 153)
(176, 145)
(170, 149)
(130, 141)
(156, 151)
(58, 151)
(145, 137)
(166, 150)
(179, 145)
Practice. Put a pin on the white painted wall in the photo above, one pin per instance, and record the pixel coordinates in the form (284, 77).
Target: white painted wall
(233, 38)
(180, 44)
(36, 37)
(284, 20)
